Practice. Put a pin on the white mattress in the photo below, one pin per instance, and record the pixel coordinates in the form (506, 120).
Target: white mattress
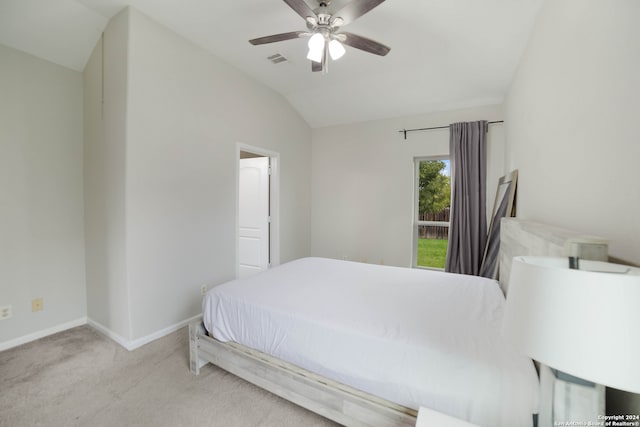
(414, 337)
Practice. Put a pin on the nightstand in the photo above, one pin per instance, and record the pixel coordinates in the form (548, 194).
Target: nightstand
(430, 418)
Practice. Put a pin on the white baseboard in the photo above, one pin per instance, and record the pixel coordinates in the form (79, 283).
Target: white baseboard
(108, 333)
(132, 345)
(129, 345)
(161, 333)
(41, 334)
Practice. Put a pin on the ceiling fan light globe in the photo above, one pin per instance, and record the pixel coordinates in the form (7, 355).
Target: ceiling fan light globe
(316, 42)
(336, 50)
(315, 55)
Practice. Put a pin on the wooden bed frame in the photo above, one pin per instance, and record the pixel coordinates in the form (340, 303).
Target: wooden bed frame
(326, 397)
(339, 402)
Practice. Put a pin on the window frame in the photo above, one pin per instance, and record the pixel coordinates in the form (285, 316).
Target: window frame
(416, 208)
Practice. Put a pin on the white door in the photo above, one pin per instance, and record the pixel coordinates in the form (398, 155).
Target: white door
(253, 254)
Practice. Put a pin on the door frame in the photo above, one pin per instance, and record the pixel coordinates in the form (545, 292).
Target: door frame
(274, 203)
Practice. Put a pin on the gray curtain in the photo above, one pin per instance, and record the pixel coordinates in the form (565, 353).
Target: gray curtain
(468, 229)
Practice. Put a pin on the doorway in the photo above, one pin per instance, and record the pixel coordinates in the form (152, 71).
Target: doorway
(257, 190)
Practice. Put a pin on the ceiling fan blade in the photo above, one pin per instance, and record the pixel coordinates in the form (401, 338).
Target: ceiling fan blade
(279, 37)
(301, 8)
(355, 9)
(316, 66)
(364, 43)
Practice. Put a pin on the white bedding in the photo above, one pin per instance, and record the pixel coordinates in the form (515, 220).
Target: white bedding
(414, 337)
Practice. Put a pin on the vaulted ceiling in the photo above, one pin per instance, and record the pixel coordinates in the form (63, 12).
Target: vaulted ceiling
(445, 54)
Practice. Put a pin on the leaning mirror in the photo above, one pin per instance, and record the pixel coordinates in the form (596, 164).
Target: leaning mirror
(504, 205)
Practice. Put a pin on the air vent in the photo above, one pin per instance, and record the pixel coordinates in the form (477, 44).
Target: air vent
(277, 58)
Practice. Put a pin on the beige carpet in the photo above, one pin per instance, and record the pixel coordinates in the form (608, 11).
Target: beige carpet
(81, 378)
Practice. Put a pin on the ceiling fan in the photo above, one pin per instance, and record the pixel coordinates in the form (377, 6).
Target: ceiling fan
(326, 39)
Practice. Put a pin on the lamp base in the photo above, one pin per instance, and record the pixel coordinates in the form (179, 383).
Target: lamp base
(567, 400)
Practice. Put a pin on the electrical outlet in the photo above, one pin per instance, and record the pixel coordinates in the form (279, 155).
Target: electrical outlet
(203, 289)
(5, 312)
(36, 304)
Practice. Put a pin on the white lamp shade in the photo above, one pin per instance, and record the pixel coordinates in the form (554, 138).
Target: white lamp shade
(316, 47)
(583, 322)
(336, 50)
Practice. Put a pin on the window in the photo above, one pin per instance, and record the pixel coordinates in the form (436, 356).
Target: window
(431, 212)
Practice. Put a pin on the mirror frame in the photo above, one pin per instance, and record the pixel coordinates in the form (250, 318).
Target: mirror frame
(493, 235)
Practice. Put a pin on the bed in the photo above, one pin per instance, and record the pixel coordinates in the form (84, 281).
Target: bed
(368, 345)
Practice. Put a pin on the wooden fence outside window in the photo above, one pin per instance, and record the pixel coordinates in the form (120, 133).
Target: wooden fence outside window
(435, 231)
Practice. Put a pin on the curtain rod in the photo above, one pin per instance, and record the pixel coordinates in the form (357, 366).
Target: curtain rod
(436, 127)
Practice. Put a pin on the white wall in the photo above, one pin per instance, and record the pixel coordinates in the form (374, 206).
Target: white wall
(363, 182)
(185, 112)
(105, 126)
(572, 113)
(41, 219)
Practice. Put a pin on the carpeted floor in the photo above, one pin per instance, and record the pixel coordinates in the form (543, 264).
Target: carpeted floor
(81, 378)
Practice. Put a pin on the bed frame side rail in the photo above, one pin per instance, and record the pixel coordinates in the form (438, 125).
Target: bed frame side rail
(328, 398)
